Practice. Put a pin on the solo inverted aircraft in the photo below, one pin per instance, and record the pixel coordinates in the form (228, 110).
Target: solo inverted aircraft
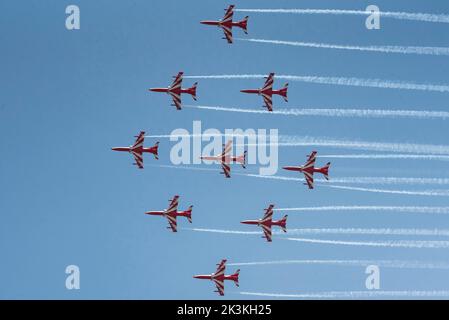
(267, 222)
(219, 277)
(309, 169)
(175, 90)
(225, 158)
(137, 149)
(267, 92)
(172, 213)
(226, 23)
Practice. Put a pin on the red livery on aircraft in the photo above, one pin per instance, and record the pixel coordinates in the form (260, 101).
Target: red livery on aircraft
(219, 277)
(172, 213)
(309, 169)
(226, 23)
(225, 158)
(267, 92)
(175, 90)
(137, 149)
(267, 222)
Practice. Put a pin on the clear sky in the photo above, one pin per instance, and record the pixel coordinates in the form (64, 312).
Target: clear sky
(67, 97)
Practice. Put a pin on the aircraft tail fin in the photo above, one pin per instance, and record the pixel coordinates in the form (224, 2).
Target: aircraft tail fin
(235, 277)
(326, 170)
(192, 90)
(283, 223)
(283, 92)
(156, 150)
(189, 214)
(244, 24)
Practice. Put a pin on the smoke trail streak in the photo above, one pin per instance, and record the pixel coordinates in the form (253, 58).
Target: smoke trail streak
(341, 81)
(335, 112)
(346, 231)
(297, 141)
(412, 16)
(442, 193)
(352, 263)
(436, 51)
(410, 209)
(386, 156)
(352, 294)
(427, 244)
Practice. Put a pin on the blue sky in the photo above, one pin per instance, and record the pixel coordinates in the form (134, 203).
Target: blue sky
(67, 97)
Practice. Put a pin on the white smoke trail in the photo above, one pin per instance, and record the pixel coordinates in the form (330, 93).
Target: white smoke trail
(352, 263)
(346, 231)
(341, 81)
(434, 193)
(335, 112)
(305, 141)
(412, 16)
(386, 156)
(420, 244)
(352, 294)
(372, 231)
(410, 209)
(436, 51)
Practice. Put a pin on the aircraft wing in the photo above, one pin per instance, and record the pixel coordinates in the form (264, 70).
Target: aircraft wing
(227, 33)
(229, 14)
(220, 268)
(310, 161)
(269, 82)
(176, 100)
(172, 223)
(138, 158)
(173, 207)
(268, 213)
(139, 140)
(267, 232)
(309, 179)
(220, 286)
(177, 82)
(226, 169)
(268, 101)
(227, 148)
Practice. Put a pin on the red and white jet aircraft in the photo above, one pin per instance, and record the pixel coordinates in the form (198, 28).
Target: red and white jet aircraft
(219, 277)
(226, 23)
(225, 158)
(172, 212)
(267, 92)
(267, 222)
(309, 169)
(175, 90)
(137, 150)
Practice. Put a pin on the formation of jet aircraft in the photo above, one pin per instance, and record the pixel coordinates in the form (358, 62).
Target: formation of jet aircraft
(225, 158)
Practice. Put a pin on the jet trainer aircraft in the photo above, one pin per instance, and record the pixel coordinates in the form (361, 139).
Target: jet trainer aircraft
(267, 92)
(226, 23)
(137, 150)
(172, 212)
(309, 169)
(226, 159)
(267, 222)
(219, 277)
(175, 90)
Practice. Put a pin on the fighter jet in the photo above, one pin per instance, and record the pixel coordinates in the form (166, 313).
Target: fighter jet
(309, 169)
(137, 150)
(267, 92)
(172, 213)
(175, 90)
(226, 23)
(266, 223)
(219, 277)
(226, 159)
